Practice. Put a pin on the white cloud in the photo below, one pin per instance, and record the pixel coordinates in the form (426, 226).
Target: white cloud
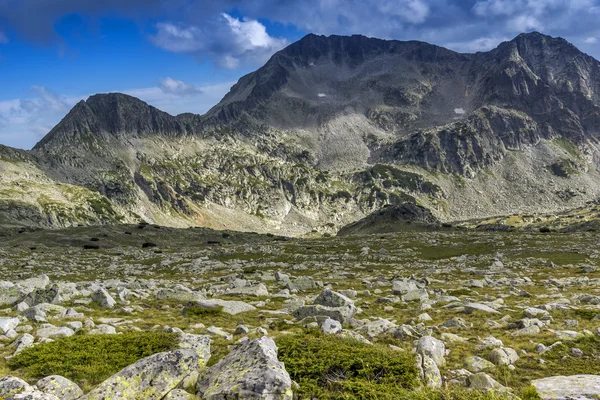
(179, 88)
(479, 44)
(523, 23)
(591, 40)
(228, 41)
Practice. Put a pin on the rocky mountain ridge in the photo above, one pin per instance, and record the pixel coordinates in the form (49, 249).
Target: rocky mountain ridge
(330, 130)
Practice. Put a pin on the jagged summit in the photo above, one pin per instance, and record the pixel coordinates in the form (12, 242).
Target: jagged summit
(114, 114)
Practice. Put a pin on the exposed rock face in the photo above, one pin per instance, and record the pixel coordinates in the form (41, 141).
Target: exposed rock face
(330, 130)
(251, 371)
(582, 387)
(150, 378)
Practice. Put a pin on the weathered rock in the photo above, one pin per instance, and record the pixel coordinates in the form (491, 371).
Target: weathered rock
(580, 387)
(432, 348)
(103, 298)
(478, 307)
(23, 342)
(7, 324)
(35, 395)
(199, 343)
(60, 387)
(179, 394)
(250, 371)
(54, 332)
(476, 364)
(429, 371)
(403, 287)
(259, 290)
(503, 356)
(178, 293)
(49, 295)
(229, 307)
(150, 378)
(482, 381)
(331, 326)
(10, 385)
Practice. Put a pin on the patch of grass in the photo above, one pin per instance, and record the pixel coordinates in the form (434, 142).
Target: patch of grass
(329, 367)
(192, 311)
(89, 360)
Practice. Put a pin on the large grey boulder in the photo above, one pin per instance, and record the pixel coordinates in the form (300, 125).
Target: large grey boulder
(259, 290)
(11, 385)
(477, 364)
(432, 348)
(580, 387)
(328, 304)
(503, 356)
(150, 378)
(470, 308)
(60, 387)
(482, 381)
(49, 295)
(250, 371)
(228, 307)
(7, 324)
(404, 286)
(179, 293)
(35, 395)
(429, 371)
(103, 298)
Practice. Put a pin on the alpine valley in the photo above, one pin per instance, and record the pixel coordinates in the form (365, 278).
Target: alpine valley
(330, 131)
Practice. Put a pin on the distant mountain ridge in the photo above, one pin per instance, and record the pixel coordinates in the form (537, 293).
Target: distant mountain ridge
(328, 131)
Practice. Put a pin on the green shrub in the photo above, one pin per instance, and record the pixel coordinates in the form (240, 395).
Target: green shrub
(330, 367)
(89, 360)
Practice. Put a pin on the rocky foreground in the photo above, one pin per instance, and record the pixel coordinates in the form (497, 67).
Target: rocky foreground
(220, 315)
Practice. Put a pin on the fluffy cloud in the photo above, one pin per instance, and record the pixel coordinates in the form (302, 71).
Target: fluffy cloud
(178, 88)
(226, 40)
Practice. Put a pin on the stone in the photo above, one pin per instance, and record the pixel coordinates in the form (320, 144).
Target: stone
(529, 331)
(375, 328)
(103, 329)
(482, 381)
(215, 331)
(532, 312)
(199, 343)
(404, 286)
(24, 341)
(103, 298)
(60, 387)
(54, 332)
(35, 395)
(178, 394)
(228, 307)
(416, 295)
(581, 387)
(304, 283)
(150, 378)
(432, 348)
(11, 385)
(477, 364)
(249, 371)
(340, 314)
(259, 290)
(329, 298)
(478, 307)
(331, 326)
(429, 371)
(7, 324)
(503, 356)
(47, 295)
(178, 293)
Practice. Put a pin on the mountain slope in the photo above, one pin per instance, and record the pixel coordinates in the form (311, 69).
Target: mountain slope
(332, 129)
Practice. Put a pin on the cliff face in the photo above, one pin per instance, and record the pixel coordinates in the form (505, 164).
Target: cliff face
(334, 128)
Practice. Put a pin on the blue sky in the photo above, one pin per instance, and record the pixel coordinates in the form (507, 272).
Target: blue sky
(184, 55)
